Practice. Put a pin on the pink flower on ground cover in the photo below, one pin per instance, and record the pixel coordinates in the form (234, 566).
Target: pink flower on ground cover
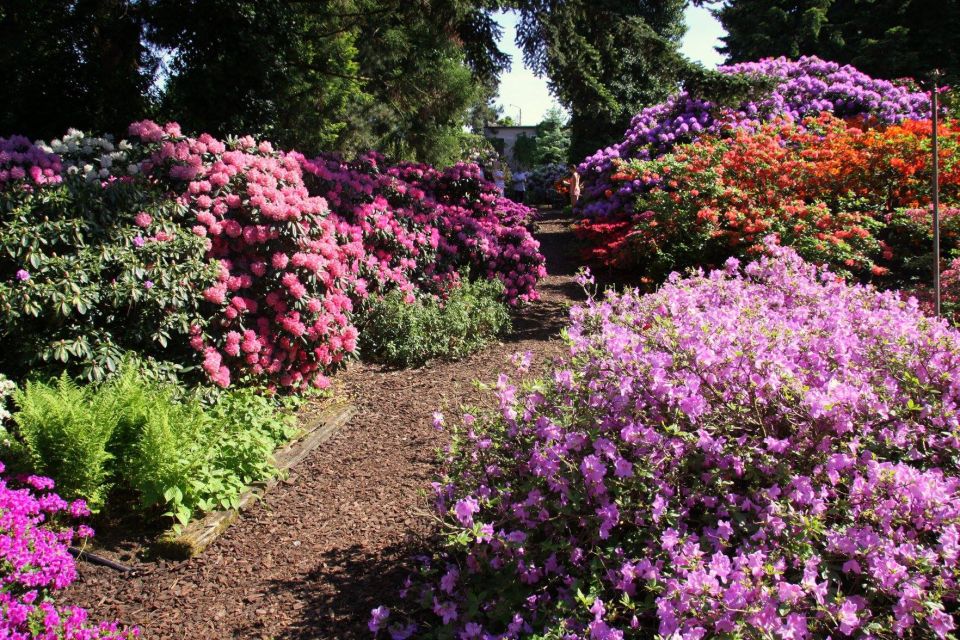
(37, 563)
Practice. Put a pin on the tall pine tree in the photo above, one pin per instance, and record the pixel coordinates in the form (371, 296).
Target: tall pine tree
(605, 59)
(884, 38)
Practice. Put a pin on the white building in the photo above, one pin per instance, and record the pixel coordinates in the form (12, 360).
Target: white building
(507, 137)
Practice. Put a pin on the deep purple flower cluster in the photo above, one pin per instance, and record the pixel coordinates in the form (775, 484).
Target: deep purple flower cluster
(764, 451)
(804, 87)
(36, 562)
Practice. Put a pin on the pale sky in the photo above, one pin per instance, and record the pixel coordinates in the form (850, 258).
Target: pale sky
(522, 93)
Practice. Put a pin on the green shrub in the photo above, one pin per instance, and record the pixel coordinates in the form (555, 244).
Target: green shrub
(93, 267)
(175, 454)
(66, 430)
(405, 333)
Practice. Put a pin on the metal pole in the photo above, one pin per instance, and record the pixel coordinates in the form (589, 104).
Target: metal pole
(519, 114)
(936, 193)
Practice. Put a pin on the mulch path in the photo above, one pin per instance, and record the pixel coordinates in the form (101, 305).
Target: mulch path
(332, 541)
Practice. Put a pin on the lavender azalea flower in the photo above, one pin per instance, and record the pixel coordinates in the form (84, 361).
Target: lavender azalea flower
(763, 450)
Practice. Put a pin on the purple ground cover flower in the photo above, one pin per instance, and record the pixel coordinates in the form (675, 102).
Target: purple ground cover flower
(762, 451)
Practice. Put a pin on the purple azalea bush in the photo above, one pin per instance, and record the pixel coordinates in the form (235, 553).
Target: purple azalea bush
(763, 451)
(36, 562)
(804, 87)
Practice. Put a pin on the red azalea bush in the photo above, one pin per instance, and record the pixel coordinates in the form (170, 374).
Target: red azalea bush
(260, 269)
(835, 191)
(798, 89)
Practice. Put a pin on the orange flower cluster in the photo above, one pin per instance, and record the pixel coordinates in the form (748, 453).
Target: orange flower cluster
(826, 186)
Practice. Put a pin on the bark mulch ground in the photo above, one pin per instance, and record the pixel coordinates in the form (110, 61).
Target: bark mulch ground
(332, 541)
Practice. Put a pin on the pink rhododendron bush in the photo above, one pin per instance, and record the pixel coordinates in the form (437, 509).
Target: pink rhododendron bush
(764, 451)
(423, 226)
(281, 300)
(218, 256)
(36, 563)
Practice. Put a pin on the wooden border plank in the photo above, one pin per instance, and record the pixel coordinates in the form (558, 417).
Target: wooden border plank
(197, 535)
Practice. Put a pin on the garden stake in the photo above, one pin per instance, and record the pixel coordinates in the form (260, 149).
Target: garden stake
(936, 196)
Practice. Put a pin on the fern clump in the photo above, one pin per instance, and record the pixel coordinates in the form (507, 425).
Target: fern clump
(66, 430)
(173, 453)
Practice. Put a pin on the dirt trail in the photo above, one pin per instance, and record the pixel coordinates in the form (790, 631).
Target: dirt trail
(329, 544)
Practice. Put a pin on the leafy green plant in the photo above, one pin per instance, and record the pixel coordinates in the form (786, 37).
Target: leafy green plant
(160, 443)
(175, 453)
(193, 459)
(66, 430)
(408, 333)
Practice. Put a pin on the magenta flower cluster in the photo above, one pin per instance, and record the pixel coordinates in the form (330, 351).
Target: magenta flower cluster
(283, 293)
(804, 87)
(764, 451)
(422, 226)
(36, 563)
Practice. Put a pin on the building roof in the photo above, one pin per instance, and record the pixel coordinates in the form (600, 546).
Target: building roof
(496, 127)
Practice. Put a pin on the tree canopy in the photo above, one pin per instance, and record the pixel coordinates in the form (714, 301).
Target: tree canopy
(407, 76)
(884, 38)
(604, 59)
(72, 64)
(398, 75)
(553, 138)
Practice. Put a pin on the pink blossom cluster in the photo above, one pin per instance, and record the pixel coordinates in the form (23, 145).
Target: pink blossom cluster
(36, 562)
(421, 225)
(949, 292)
(25, 163)
(283, 294)
(299, 245)
(762, 451)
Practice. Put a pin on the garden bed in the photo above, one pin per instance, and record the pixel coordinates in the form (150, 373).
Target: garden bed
(326, 545)
(323, 423)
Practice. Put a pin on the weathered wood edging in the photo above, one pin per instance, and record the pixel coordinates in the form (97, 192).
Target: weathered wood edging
(196, 536)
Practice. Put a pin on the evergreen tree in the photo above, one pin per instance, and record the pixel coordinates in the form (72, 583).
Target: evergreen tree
(263, 67)
(484, 111)
(884, 38)
(553, 138)
(605, 59)
(430, 62)
(525, 151)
